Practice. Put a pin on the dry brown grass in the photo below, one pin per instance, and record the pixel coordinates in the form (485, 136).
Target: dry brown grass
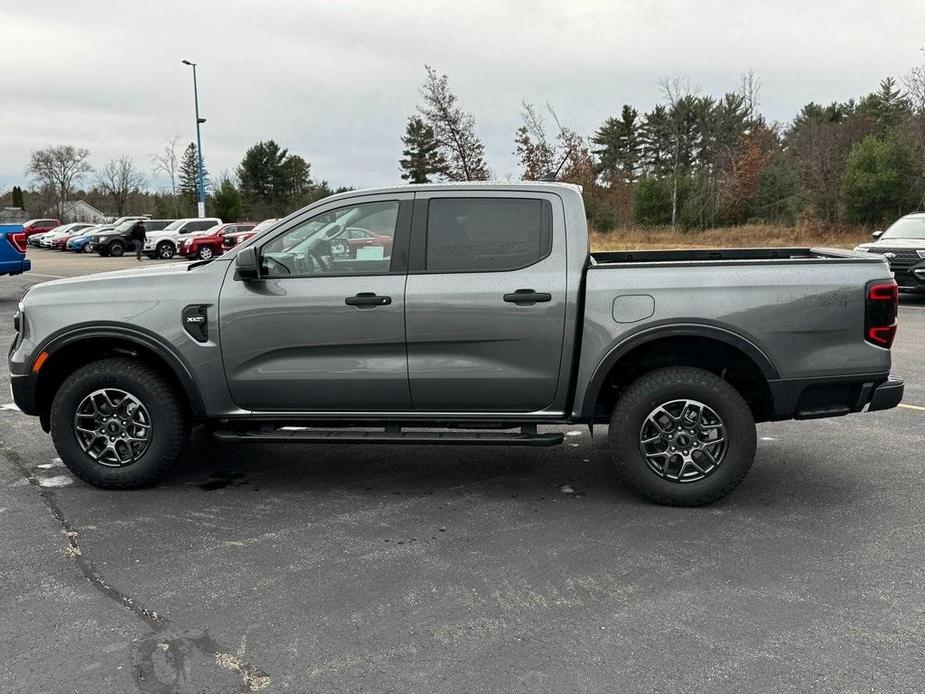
(748, 235)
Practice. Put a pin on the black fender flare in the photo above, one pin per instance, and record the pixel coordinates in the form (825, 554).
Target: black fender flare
(133, 335)
(652, 333)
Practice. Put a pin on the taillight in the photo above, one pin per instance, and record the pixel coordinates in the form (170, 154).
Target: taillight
(18, 240)
(881, 308)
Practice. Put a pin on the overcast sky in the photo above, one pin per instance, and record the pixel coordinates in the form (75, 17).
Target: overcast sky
(336, 81)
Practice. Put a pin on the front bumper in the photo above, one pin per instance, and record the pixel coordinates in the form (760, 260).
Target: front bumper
(23, 387)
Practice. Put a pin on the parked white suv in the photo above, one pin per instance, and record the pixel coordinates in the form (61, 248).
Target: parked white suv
(163, 243)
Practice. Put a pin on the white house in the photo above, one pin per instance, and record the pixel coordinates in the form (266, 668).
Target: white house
(81, 211)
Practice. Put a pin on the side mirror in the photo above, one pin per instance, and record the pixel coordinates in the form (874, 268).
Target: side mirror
(246, 265)
(877, 234)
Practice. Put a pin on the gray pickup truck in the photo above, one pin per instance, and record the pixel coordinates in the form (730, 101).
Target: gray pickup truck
(456, 314)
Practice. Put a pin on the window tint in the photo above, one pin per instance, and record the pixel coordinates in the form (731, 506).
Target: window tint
(487, 234)
(325, 244)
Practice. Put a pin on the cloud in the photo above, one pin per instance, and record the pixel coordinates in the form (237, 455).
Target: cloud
(335, 82)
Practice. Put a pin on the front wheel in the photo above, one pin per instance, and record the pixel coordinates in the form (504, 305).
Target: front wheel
(165, 250)
(682, 436)
(118, 424)
(116, 249)
(205, 253)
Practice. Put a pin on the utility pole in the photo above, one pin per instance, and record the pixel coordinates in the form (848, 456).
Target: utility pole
(199, 121)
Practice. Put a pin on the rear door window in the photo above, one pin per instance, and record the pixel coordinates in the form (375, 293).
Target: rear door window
(487, 234)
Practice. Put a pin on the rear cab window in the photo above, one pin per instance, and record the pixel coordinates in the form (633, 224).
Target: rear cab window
(487, 234)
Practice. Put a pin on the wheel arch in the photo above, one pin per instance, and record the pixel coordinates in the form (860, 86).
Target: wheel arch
(699, 345)
(74, 347)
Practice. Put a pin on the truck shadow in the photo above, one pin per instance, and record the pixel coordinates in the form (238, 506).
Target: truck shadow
(583, 472)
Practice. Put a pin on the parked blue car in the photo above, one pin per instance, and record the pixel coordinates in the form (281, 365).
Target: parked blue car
(79, 242)
(13, 250)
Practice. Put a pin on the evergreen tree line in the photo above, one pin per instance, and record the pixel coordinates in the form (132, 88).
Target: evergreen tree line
(698, 161)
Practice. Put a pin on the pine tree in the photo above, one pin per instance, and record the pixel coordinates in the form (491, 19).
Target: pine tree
(226, 202)
(188, 187)
(421, 155)
(18, 197)
(619, 145)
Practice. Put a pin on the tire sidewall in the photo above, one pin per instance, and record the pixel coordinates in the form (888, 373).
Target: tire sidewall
(163, 421)
(116, 249)
(205, 253)
(629, 417)
(162, 247)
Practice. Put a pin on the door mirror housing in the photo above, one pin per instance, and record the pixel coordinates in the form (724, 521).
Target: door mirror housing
(247, 265)
(877, 234)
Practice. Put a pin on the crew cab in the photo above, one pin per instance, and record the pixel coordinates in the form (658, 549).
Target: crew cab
(208, 243)
(485, 320)
(13, 250)
(163, 244)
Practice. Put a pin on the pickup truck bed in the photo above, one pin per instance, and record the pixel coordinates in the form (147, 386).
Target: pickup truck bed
(448, 314)
(12, 254)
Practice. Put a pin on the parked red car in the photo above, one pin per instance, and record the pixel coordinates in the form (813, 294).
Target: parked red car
(232, 240)
(351, 239)
(39, 226)
(210, 242)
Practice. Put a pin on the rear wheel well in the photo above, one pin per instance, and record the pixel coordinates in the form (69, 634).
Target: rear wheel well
(74, 355)
(728, 362)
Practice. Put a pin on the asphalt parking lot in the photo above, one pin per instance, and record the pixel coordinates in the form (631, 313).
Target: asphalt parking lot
(350, 568)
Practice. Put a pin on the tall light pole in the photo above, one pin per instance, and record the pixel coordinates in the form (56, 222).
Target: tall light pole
(199, 121)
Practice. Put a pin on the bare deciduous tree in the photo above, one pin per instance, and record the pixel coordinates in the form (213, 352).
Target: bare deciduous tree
(56, 170)
(119, 178)
(454, 130)
(532, 146)
(167, 162)
(677, 91)
(750, 91)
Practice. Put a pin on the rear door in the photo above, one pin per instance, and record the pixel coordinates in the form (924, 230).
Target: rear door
(485, 301)
(322, 331)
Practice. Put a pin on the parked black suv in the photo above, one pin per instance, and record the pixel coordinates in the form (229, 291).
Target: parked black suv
(903, 245)
(117, 241)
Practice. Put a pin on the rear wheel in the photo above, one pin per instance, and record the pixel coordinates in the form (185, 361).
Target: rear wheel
(165, 250)
(682, 436)
(205, 253)
(116, 249)
(118, 424)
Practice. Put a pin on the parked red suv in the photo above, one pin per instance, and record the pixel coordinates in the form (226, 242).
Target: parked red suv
(210, 242)
(39, 226)
(231, 240)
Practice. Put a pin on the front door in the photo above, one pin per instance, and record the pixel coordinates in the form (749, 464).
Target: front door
(323, 328)
(485, 301)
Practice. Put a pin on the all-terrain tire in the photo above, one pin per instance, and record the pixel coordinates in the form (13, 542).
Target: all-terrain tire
(169, 425)
(662, 386)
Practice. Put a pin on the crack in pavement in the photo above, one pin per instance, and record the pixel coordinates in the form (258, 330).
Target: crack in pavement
(163, 653)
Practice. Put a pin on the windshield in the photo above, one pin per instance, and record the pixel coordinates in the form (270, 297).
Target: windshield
(126, 226)
(173, 226)
(906, 228)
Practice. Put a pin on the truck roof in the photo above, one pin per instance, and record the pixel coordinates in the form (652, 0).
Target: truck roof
(467, 185)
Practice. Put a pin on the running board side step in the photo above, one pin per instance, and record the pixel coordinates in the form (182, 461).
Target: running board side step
(465, 438)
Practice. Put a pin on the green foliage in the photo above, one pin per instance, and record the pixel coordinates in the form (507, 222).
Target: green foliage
(777, 198)
(188, 178)
(272, 181)
(226, 201)
(18, 197)
(421, 159)
(619, 146)
(652, 201)
(879, 181)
